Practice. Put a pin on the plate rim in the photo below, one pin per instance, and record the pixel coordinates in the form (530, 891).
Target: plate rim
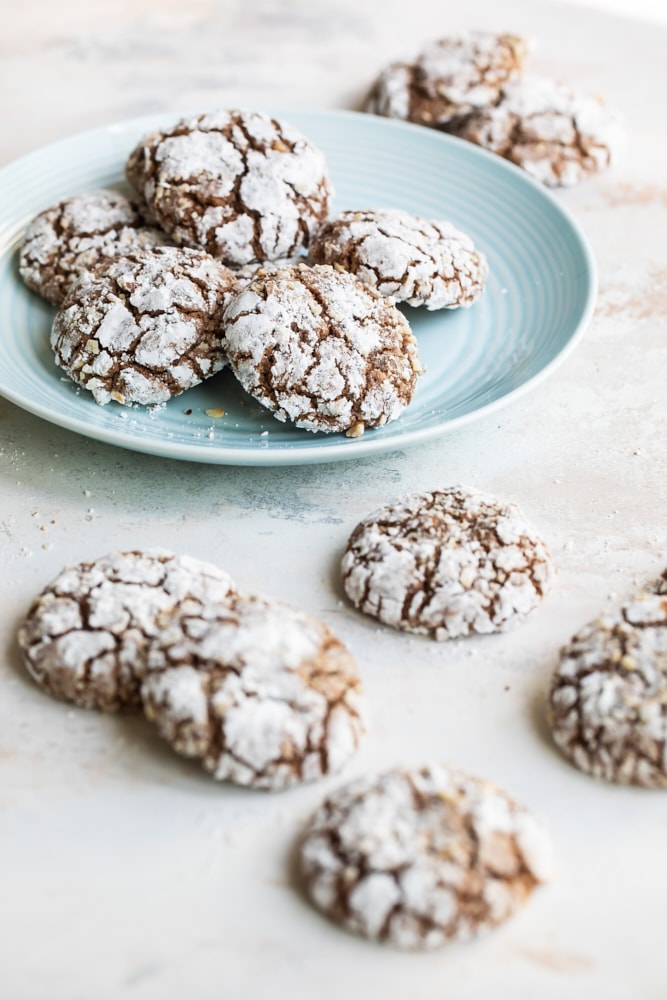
(340, 449)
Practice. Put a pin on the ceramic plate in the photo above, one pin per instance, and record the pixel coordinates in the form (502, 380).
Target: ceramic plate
(538, 299)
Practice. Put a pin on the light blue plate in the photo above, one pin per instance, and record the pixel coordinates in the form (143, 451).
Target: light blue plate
(538, 300)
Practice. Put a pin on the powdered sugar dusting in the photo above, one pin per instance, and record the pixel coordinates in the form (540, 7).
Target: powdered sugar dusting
(263, 694)
(407, 258)
(447, 564)
(321, 349)
(85, 638)
(64, 242)
(146, 326)
(608, 698)
(420, 857)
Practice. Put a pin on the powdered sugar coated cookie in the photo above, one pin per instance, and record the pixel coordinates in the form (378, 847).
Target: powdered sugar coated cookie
(421, 857)
(407, 258)
(446, 564)
(450, 78)
(72, 237)
(321, 349)
(263, 694)
(239, 184)
(146, 326)
(608, 697)
(555, 134)
(85, 638)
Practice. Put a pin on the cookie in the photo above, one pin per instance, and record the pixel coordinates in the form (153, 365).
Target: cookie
(72, 237)
(449, 563)
(451, 78)
(261, 693)
(407, 258)
(608, 696)
(85, 638)
(241, 185)
(321, 349)
(146, 326)
(557, 136)
(421, 857)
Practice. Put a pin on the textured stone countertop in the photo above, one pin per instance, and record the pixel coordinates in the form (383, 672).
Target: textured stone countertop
(127, 873)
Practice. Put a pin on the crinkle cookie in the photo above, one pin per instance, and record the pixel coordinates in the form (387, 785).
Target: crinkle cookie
(146, 326)
(407, 258)
(421, 857)
(556, 135)
(263, 694)
(608, 697)
(450, 78)
(321, 349)
(72, 237)
(449, 563)
(85, 637)
(239, 184)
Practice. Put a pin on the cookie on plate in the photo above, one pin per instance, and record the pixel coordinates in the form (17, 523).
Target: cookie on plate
(449, 563)
(608, 696)
(451, 78)
(557, 136)
(85, 638)
(241, 185)
(421, 857)
(261, 693)
(407, 258)
(321, 349)
(146, 326)
(72, 237)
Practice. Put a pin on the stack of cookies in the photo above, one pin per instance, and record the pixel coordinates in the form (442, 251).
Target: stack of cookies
(473, 86)
(207, 267)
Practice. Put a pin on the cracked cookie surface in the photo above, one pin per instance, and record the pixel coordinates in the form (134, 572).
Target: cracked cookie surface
(556, 135)
(451, 78)
(321, 349)
(241, 185)
(85, 638)
(146, 326)
(608, 697)
(420, 857)
(263, 694)
(449, 563)
(407, 258)
(77, 234)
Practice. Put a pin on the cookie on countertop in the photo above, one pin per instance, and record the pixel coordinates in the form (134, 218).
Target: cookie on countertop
(85, 638)
(558, 136)
(407, 258)
(417, 858)
(72, 237)
(451, 78)
(263, 694)
(608, 697)
(321, 349)
(449, 563)
(239, 184)
(146, 326)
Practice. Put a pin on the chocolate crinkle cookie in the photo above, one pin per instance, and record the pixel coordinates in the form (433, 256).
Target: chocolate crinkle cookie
(451, 78)
(446, 564)
(555, 134)
(71, 238)
(321, 349)
(608, 697)
(146, 326)
(407, 258)
(421, 857)
(85, 638)
(261, 693)
(239, 184)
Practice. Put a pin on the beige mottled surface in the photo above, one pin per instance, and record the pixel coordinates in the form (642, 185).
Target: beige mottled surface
(124, 872)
